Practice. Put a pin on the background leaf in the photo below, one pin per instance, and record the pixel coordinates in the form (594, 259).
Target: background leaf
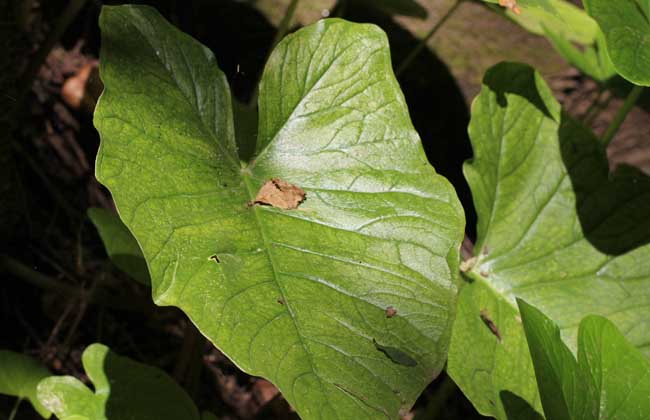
(558, 16)
(19, 376)
(295, 296)
(554, 228)
(610, 380)
(123, 389)
(121, 246)
(626, 25)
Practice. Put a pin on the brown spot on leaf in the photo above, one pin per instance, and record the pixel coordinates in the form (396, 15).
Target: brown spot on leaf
(485, 317)
(280, 301)
(214, 258)
(512, 5)
(390, 312)
(280, 194)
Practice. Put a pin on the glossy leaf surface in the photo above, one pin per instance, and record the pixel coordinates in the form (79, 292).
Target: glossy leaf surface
(297, 296)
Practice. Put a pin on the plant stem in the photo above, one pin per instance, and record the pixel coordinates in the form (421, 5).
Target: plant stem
(629, 103)
(283, 28)
(423, 42)
(62, 23)
(14, 410)
(35, 278)
(95, 296)
(285, 23)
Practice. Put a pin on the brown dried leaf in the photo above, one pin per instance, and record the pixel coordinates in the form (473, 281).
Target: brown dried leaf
(280, 194)
(510, 4)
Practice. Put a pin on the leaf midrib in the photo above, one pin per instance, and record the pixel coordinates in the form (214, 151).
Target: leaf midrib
(250, 188)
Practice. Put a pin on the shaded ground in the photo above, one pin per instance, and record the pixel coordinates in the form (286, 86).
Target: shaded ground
(62, 294)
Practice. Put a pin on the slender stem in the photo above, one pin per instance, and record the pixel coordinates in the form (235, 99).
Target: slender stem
(62, 23)
(434, 407)
(98, 296)
(283, 28)
(35, 278)
(14, 410)
(423, 42)
(620, 116)
(285, 23)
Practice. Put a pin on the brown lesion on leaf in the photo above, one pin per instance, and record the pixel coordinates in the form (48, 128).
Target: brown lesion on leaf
(280, 301)
(390, 312)
(485, 317)
(512, 5)
(280, 194)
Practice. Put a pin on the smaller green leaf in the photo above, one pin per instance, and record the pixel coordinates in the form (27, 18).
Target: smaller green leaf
(396, 355)
(561, 17)
(397, 7)
(19, 376)
(626, 25)
(610, 379)
(593, 60)
(124, 389)
(121, 246)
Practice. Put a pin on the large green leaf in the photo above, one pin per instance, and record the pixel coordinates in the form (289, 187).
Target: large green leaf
(554, 228)
(297, 296)
(124, 389)
(19, 376)
(121, 246)
(610, 379)
(626, 25)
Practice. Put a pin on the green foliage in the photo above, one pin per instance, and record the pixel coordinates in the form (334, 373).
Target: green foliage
(609, 380)
(121, 246)
(19, 376)
(593, 60)
(564, 25)
(297, 296)
(557, 16)
(626, 25)
(124, 389)
(554, 228)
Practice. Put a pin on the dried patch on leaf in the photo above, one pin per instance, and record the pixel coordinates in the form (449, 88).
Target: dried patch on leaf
(510, 4)
(467, 265)
(280, 194)
(485, 317)
(390, 312)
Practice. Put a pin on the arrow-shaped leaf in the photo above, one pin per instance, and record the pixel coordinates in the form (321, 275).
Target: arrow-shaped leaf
(300, 295)
(555, 228)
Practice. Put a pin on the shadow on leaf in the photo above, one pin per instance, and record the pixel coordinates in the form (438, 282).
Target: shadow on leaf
(613, 208)
(517, 408)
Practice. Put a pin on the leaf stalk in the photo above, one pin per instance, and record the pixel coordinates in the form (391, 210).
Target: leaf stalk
(621, 115)
(423, 42)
